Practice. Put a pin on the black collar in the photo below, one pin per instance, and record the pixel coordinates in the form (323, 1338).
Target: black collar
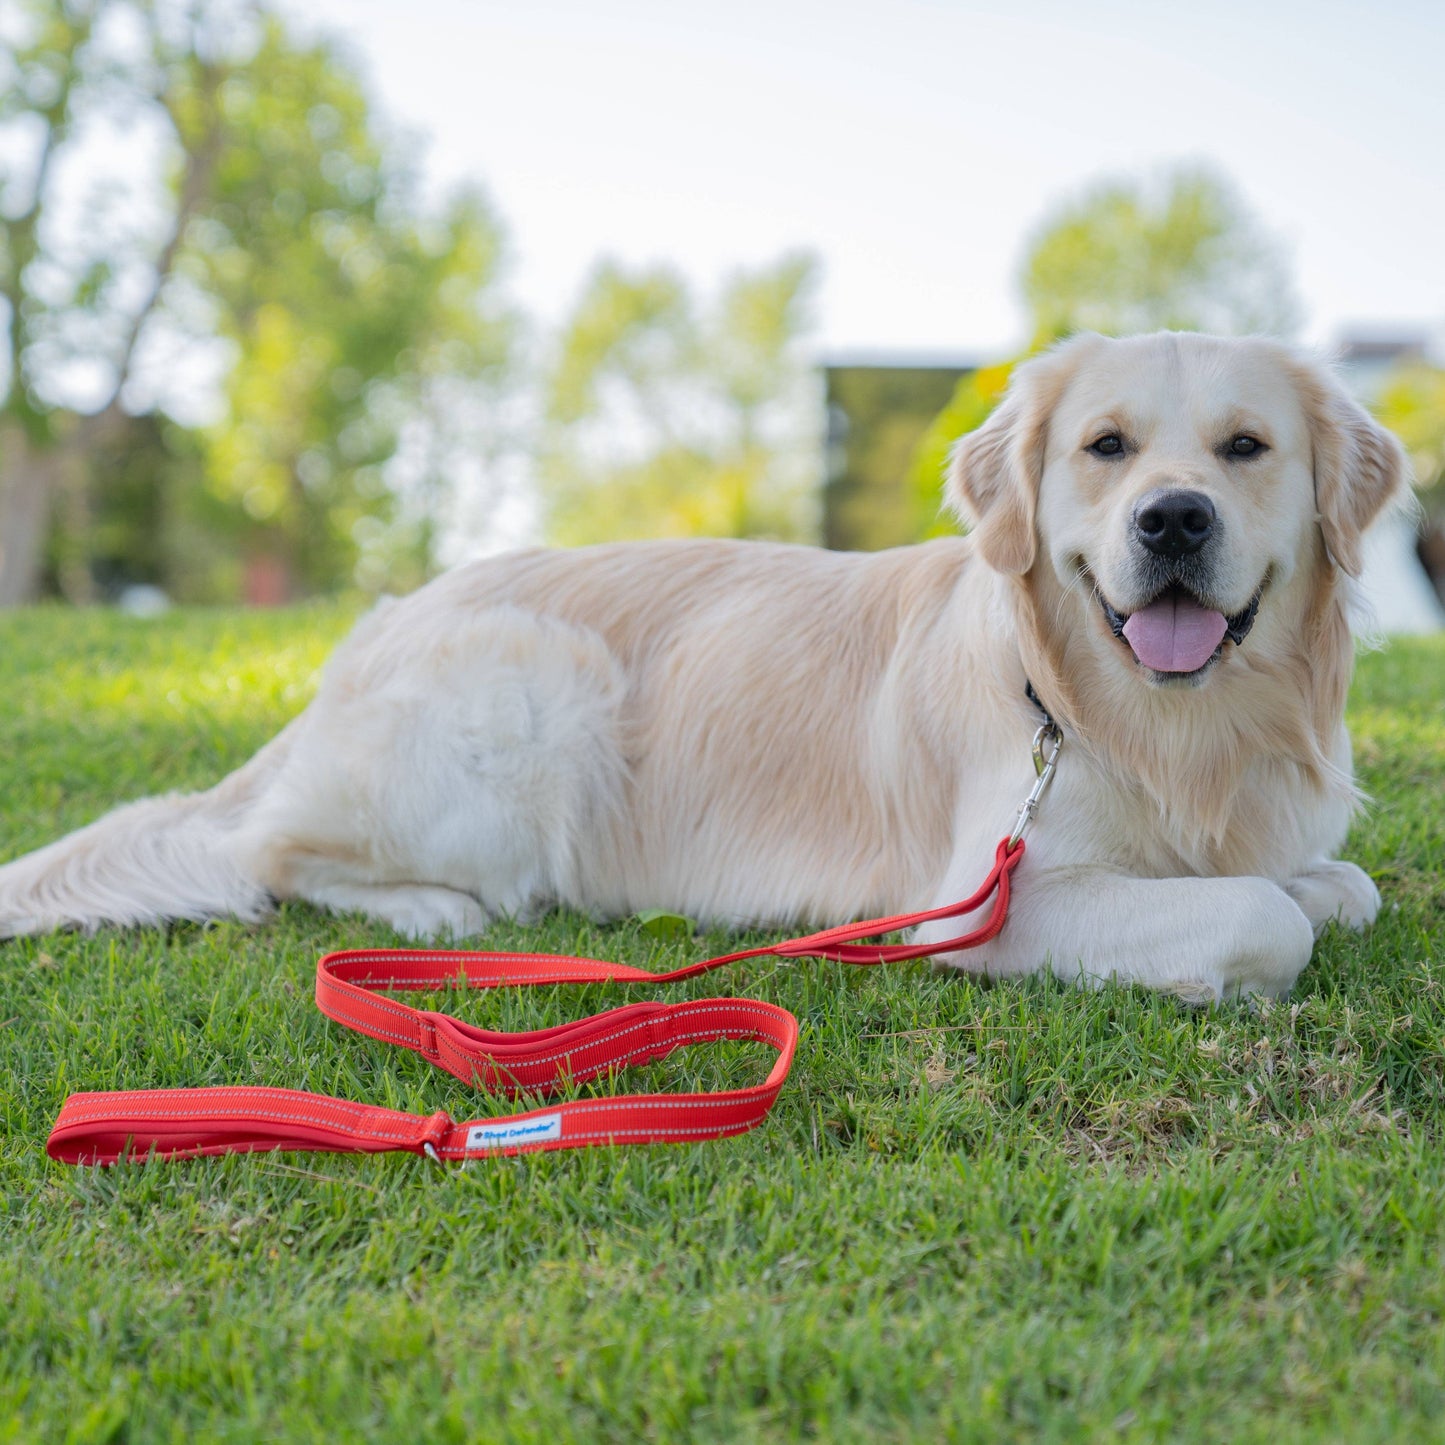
(1033, 697)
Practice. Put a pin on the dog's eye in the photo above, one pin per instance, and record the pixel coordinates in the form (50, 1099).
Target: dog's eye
(1109, 445)
(1245, 446)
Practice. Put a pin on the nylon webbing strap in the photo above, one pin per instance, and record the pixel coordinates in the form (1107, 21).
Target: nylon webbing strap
(351, 987)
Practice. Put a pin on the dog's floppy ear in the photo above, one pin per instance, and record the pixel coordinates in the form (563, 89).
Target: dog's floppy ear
(994, 472)
(1358, 465)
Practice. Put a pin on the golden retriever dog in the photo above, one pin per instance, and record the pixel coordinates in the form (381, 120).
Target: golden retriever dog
(1162, 532)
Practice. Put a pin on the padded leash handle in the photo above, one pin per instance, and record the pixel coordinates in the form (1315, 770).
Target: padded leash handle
(103, 1128)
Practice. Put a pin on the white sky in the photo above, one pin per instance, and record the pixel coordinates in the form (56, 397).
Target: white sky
(913, 145)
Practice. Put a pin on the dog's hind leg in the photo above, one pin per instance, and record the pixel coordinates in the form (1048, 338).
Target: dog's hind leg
(455, 763)
(453, 767)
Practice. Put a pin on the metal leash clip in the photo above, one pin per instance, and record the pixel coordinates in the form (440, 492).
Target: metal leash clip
(1048, 742)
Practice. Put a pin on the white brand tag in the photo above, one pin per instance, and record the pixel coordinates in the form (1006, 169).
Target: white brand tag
(504, 1133)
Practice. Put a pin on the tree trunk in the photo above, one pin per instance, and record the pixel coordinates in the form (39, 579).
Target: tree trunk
(27, 478)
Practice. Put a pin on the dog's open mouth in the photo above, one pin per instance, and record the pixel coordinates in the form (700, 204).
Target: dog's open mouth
(1176, 633)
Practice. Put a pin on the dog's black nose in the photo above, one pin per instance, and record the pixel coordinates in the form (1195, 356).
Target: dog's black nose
(1174, 523)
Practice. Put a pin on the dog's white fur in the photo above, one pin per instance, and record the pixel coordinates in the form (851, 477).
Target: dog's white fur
(761, 734)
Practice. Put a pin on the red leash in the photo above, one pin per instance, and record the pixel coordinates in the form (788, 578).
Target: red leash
(182, 1123)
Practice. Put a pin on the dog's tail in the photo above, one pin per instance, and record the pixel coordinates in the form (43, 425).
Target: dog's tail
(162, 858)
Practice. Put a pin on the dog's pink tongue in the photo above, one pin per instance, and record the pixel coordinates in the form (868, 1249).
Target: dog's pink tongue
(1174, 634)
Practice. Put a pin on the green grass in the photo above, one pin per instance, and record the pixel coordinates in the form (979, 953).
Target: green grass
(1002, 1213)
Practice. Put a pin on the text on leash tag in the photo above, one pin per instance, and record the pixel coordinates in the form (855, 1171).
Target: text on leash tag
(505, 1133)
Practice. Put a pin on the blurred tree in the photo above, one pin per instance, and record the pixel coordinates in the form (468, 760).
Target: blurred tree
(195, 209)
(664, 422)
(1412, 404)
(974, 397)
(1181, 254)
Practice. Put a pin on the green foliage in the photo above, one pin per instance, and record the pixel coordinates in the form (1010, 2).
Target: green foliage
(1412, 404)
(658, 923)
(1016, 1212)
(666, 420)
(346, 306)
(1181, 254)
(285, 229)
(975, 396)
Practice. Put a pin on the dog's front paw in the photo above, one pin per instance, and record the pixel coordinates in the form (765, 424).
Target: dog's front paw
(1333, 892)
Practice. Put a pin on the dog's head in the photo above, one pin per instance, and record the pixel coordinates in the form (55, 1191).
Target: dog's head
(1177, 513)
(1165, 493)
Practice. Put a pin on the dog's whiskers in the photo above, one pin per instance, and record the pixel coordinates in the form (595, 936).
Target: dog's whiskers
(1079, 581)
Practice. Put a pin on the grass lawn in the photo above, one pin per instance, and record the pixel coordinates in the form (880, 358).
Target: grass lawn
(976, 1213)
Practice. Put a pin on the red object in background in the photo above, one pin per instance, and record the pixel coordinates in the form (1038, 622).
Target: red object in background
(267, 581)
